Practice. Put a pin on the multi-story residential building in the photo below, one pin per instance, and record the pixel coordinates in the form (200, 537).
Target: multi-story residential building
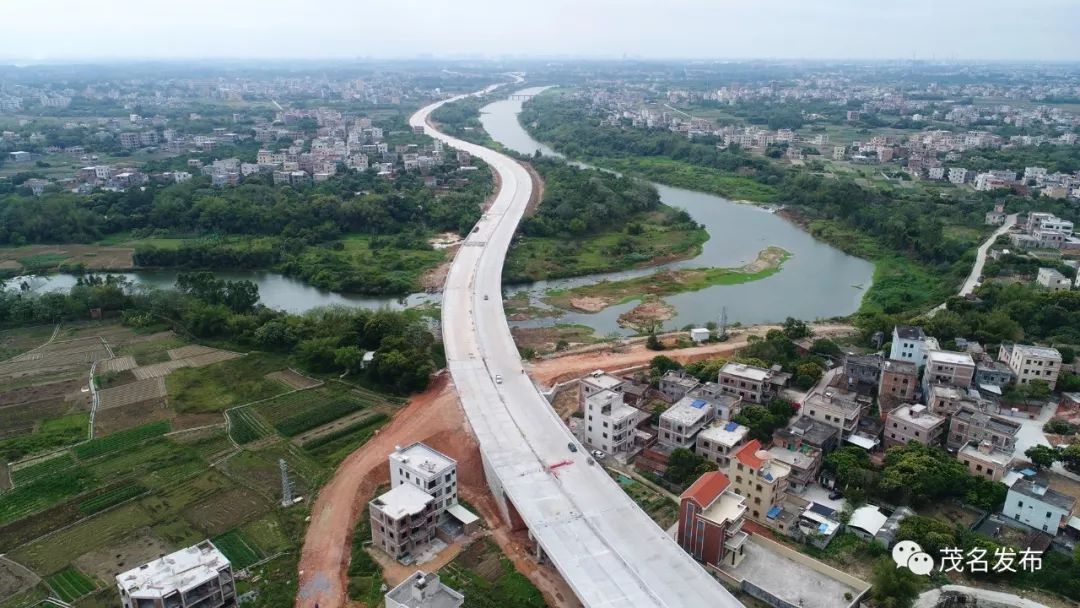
(899, 381)
(195, 577)
(992, 373)
(834, 407)
(945, 400)
(1032, 503)
(402, 520)
(959, 175)
(910, 344)
(985, 460)
(969, 425)
(594, 383)
(748, 382)
(761, 479)
(724, 405)
(1029, 363)
(717, 442)
(675, 384)
(948, 367)
(680, 423)
(1047, 221)
(710, 521)
(429, 470)
(863, 372)
(803, 459)
(422, 590)
(609, 423)
(913, 423)
(807, 431)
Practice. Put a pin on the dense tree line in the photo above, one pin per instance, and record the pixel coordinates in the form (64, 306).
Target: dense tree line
(354, 202)
(569, 127)
(587, 201)
(329, 340)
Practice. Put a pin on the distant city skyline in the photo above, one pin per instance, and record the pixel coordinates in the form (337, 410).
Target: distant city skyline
(64, 30)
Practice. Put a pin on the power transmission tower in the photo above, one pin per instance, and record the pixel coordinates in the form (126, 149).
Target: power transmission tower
(286, 485)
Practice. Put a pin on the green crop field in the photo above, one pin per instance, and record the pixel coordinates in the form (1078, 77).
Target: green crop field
(238, 549)
(70, 584)
(40, 469)
(122, 440)
(111, 498)
(343, 442)
(245, 426)
(43, 492)
(318, 416)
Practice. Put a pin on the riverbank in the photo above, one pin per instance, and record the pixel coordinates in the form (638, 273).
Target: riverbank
(598, 296)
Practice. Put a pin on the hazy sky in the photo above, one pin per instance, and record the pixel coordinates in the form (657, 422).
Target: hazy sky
(960, 29)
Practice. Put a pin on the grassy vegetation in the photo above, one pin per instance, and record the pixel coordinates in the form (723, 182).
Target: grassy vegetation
(326, 412)
(246, 426)
(365, 574)
(900, 282)
(692, 177)
(670, 282)
(487, 579)
(333, 448)
(534, 258)
(236, 547)
(43, 492)
(660, 508)
(51, 433)
(43, 260)
(70, 584)
(218, 387)
(17, 341)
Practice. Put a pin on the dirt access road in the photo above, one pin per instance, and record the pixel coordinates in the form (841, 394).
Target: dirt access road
(577, 363)
(436, 418)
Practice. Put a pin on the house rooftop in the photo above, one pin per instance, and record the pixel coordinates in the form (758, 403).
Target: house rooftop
(916, 415)
(619, 410)
(1034, 489)
(688, 411)
(742, 370)
(681, 378)
(811, 431)
(601, 379)
(179, 571)
(403, 500)
(909, 332)
(707, 488)
(868, 518)
(802, 458)
(727, 434)
(422, 457)
(422, 590)
(995, 423)
(899, 367)
(728, 507)
(992, 455)
(1043, 352)
(949, 357)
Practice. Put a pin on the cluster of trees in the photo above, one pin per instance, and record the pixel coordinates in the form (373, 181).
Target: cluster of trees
(324, 340)
(315, 213)
(587, 201)
(1008, 312)
(684, 467)
(462, 119)
(568, 126)
(913, 474)
(1065, 159)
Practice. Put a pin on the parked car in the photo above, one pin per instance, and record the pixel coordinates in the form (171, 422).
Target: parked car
(573, 448)
(598, 454)
(498, 379)
(836, 495)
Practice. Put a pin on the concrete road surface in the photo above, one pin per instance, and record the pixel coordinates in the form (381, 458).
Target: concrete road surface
(608, 550)
(980, 260)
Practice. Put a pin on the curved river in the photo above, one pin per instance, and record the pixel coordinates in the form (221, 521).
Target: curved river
(818, 281)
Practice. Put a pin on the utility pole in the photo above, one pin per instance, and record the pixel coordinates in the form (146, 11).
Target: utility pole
(286, 485)
(722, 334)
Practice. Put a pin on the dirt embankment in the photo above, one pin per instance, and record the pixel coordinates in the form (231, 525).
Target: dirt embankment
(537, 189)
(436, 418)
(650, 311)
(579, 362)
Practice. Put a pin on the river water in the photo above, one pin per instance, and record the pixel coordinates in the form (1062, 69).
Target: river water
(818, 281)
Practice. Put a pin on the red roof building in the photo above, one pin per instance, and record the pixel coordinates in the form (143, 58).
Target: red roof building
(710, 521)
